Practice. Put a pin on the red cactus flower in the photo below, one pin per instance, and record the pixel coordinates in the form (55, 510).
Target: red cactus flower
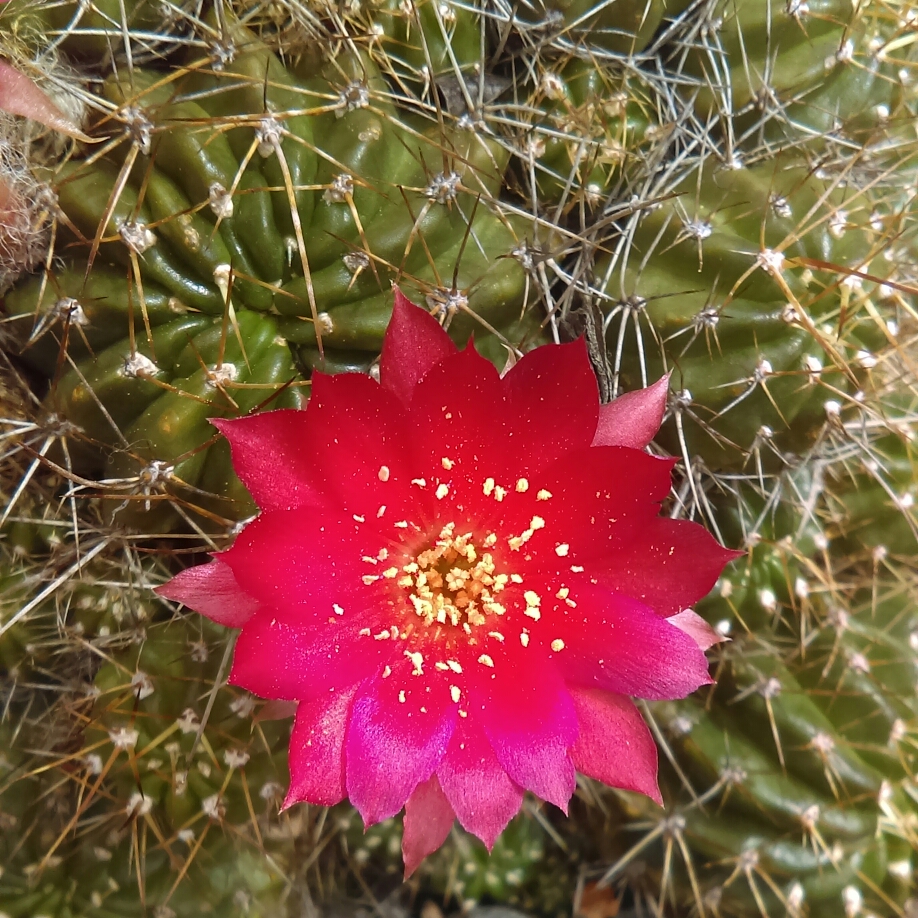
(462, 579)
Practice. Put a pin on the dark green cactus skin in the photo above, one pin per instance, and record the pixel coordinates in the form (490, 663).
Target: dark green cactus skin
(796, 74)
(590, 126)
(140, 807)
(717, 276)
(526, 868)
(210, 294)
(92, 32)
(625, 27)
(789, 786)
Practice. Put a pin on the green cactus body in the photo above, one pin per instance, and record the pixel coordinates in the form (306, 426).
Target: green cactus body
(728, 186)
(423, 40)
(742, 49)
(625, 27)
(92, 31)
(175, 819)
(718, 273)
(204, 274)
(592, 126)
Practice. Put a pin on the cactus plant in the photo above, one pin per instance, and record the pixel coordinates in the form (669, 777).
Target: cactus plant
(723, 190)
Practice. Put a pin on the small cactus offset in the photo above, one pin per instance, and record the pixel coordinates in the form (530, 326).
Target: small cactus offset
(720, 190)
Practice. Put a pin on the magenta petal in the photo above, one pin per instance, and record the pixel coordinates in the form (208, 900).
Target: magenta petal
(701, 632)
(459, 414)
(212, 590)
(615, 746)
(481, 793)
(527, 715)
(400, 728)
(616, 643)
(272, 659)
(414, 343)
(634, 418)
(667, 564)
(357, 432)
(428, 819)
(553, 404)
(268, 457)
(317, 749)
(303, 563)
(598, 493)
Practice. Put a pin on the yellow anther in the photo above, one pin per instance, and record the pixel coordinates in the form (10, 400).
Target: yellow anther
(417, 661)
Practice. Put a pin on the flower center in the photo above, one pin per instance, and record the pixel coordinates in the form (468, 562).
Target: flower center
(455, 580)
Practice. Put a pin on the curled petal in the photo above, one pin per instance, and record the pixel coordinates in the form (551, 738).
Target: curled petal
(481, 793)
(20, 96)
(634, 418)
(268, 457)
(413, 344)
(317, 749)
(399, 730)
(695, 626)
(428, 819)
(212, 590)
(615, 746)
(526, 713)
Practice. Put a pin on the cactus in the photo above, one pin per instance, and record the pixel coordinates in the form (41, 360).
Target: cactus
(207, 292)
(720, 190)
